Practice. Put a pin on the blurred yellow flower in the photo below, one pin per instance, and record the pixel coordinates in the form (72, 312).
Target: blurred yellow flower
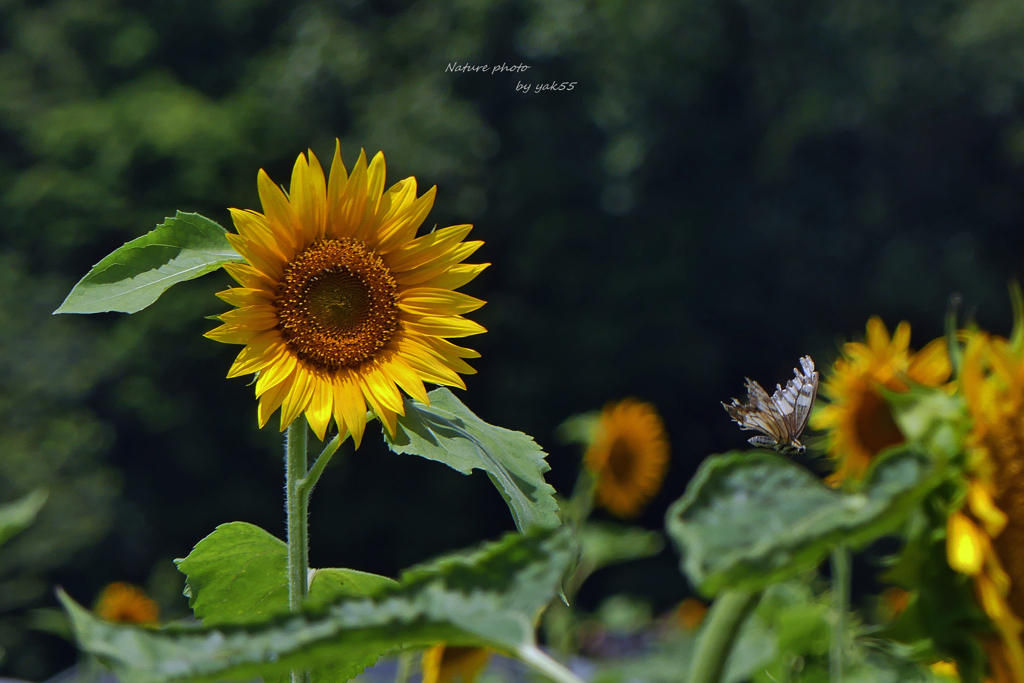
(985, 539)
(446, 663)
(946, 670)
(340, 303)
(893, 602)
(689, 614)
(628, 456)
(125, 603)
(857, 417)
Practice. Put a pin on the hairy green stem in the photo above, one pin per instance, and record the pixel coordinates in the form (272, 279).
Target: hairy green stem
(724, 620)
(306, 483)
(540, 662)
(296, 510)
(841, 595)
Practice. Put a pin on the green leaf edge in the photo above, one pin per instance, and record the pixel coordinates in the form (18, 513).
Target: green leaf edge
(802, 559)
(68, 306)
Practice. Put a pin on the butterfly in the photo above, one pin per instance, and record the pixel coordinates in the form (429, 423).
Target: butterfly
(781, 418)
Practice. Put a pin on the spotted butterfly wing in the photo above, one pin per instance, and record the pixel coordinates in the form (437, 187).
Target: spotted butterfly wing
(782, 417)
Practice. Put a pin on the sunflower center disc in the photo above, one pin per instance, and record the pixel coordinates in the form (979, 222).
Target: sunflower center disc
(621, 461)
(338, 304)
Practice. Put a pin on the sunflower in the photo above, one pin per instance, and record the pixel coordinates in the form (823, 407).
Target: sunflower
(125, 603)
(340, 304)
(985, 538)
(446, 663)
(859, 422)
(628, 456)
(689, 614)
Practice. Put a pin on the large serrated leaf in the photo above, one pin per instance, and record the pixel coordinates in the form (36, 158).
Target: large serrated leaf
(448, 432)
(17, 516)
(239, 575)
(136, 274)
(748, 520)
(488, 597)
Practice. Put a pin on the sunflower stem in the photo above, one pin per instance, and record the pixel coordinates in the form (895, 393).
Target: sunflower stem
(540, 662)
(841, 593)
(726, 616)
(296, 510)
(305, 484)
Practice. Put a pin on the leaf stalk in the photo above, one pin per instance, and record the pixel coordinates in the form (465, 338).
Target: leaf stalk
(726, 616)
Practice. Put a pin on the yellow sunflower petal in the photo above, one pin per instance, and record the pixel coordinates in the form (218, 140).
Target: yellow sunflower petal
(257, 354)
(930, 366)
(349, 210)
(428, 271)
(402, 228)
(379, 390)
(349, 406)
(425, 249)
(245, 296)
(335, 190)
(307, 201)
(878, 336)
(255, 228)
(232, 334)
(272, 399)
(320, 407)
(901, 338)
(374, 188)
(257, 317)
(276, 373)
(982, 506)
(966, 545)
(427, 364)
(268, 263)
(449, 326)
(398, 371)
(389, 420)
(297, 399)
(433, 301)
(456, 276)
(280, 214)
(247, 276)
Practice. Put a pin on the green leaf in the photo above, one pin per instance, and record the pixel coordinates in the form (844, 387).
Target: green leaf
(933, 420)
(748, 520)
(239, 575)
(236, 575)
(326, 586)
(448, 432)
(17, 516)
(605, 543)
(487, 597)
(136, 274)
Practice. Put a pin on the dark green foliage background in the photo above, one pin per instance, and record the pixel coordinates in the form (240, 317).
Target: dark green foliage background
(730, 184)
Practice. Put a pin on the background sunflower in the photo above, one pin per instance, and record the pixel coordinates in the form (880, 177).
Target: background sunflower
(628, 456)
(857, 417)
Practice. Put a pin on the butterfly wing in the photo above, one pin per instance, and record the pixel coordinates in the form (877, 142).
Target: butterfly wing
(760, 414)
(795, 401)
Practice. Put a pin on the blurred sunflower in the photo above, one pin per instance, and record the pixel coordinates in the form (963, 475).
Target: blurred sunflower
(125, 603)
(340, 303)
(628, 456)
(985, 539)
(857, 417)
(689, 614)
(447, 663)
